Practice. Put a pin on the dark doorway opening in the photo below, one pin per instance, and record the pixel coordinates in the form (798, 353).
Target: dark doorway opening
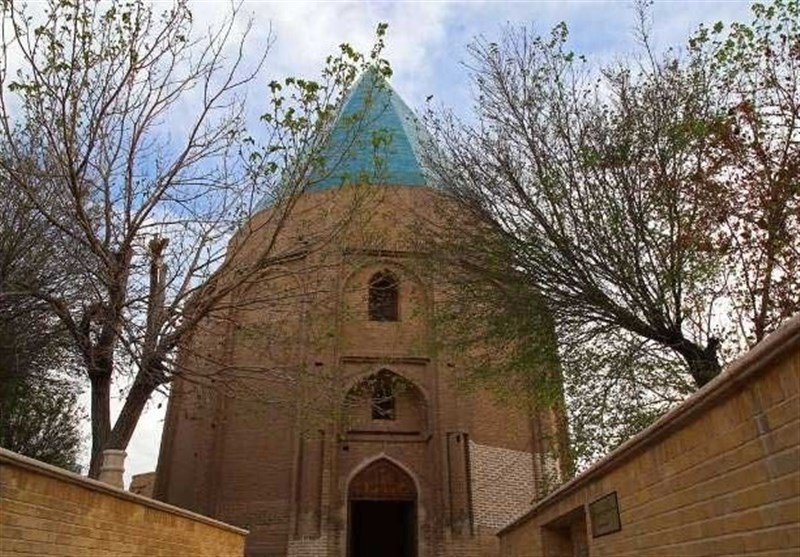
(383, 512)
(382, 528)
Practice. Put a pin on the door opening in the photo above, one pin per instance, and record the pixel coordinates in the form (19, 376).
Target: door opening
(382, 529)
(382, 512)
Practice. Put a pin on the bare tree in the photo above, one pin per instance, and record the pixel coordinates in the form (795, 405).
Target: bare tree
(585, 188)
(616, 200)
(127, 135)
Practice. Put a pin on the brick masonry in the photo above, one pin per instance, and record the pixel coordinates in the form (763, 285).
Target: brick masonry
(502, 484)
(305, 547)
(142, 484)
(274, 449)
(719, 475)
(45, 511)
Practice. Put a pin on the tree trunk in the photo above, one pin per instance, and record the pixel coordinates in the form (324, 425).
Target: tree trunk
(103, 436)
(761, 314)
(129, 416)
(703, 362)
(101, 421)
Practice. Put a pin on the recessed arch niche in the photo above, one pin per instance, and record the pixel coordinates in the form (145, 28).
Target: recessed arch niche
(385, 402)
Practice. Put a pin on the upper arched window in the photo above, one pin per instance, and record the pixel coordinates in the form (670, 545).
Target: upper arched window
(383, 297)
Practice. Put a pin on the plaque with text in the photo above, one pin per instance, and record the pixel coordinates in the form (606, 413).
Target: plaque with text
(604, 514)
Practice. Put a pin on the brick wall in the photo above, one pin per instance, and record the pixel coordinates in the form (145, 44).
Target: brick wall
(142, 484)
(719, 475)
(502, 484)
(293, 345)
(308, 547)
(45, 511)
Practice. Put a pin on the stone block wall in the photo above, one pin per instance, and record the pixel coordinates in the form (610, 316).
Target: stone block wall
(719, 475)
(45, 511)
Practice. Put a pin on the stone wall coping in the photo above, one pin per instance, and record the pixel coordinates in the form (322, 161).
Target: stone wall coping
(735, 375)
(14, 459)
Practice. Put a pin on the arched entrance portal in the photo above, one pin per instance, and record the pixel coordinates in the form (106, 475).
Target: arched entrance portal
(382, 502)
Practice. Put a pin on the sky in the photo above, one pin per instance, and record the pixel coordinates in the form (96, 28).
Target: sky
(426, 46)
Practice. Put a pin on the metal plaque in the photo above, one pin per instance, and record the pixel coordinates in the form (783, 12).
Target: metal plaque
(604, 514)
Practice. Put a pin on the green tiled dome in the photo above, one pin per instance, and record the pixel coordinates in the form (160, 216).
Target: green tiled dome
(375, 139)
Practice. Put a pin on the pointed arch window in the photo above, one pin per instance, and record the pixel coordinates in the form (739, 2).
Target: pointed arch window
(383, 297)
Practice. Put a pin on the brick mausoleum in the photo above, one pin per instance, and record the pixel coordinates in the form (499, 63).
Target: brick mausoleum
(322, 415)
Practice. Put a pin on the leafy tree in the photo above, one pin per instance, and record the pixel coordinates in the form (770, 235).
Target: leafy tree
(39, 412)
(755, 71)
(619, 196)
(124, 129)
(40, 418)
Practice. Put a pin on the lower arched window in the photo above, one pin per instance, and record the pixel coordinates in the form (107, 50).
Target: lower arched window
(383, 395)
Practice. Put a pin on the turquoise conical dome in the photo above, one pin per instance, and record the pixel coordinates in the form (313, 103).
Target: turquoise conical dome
(375, 139)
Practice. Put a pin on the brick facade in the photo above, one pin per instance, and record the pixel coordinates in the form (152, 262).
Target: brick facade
(278, 417)
(502, 484)
(719, 475)
(47, 512)
(142, 484)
